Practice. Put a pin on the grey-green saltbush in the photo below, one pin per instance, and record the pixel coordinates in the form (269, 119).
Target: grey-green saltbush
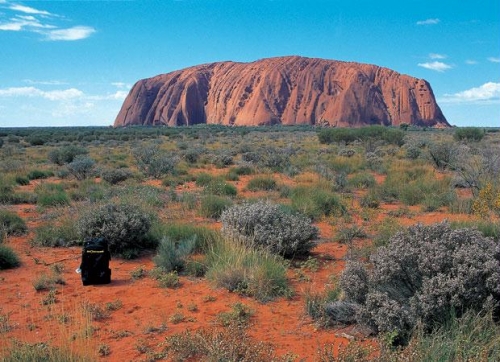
(423, 276)
(124, 226)
(267, 225)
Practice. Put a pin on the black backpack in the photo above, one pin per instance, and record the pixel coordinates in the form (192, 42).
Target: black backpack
(95, 262)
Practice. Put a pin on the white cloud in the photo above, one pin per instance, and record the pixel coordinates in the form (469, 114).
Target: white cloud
(494, 60)
(44, 82)
(121, 85)
(437, 66)
(437, 56)
(470, 62)
(21, 22)
(486, 93)
(28, 10)
(74, 33)
(54, 95)
(25, 18)
(428, 22)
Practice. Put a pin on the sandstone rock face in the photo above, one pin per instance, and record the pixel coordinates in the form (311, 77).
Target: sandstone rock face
(284, 90)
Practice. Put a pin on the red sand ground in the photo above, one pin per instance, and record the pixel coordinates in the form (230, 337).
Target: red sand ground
(144, 318)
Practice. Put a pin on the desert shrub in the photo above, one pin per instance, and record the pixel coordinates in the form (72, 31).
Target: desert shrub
(63, 233)
(171, 255)
(365, 134)
(89, 190)
(224, 344)
(371, 199)
(82, 167)
(362, 180)
(124, 226)
(203, 179)
(422, 276)
(249, 271)
(22, 180)
(262, 183)
(114, 176)
(442, 153)
(469, 134)
(39, 174)
(49, 194)
(178, 232)
(316, 201)
(66, 154)
(251, 157)
(11, 223)
(213, 206)
(222, 160)
(220, 187)
(472, 337)
(276, 160)
(243, 170)
(192, 155)
(154, 162)
(266, 225)
(8, 258)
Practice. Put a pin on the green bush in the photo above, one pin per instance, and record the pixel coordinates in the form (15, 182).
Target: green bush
(262, 183)
(51, 195)
(245, 270)
(82, 167)
(155, 162)
(125, 227)
(212, 206)
(316, 201)
(22, 180)
(364, 134)
(8, 258)
(39, 174)
(469, 134)
(220, 187)
(171, 255)
(177, 232)
(11, 223)
(203, 179)
(114, 176)
(266, 225)
(63, 234)
(66, 154)
(362, 180)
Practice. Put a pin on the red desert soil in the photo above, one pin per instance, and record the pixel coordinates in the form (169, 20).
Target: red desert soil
(143, 319)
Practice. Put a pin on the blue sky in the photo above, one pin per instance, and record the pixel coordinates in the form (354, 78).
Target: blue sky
(72, 62)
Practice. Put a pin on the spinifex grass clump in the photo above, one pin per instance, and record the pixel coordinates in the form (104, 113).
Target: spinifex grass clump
(246, 270)
(266, 225)
(11, 223)
(423, 276)
(8, 258)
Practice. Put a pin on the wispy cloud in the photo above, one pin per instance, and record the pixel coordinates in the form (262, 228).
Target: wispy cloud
(429, 22)
(437, 56)
(436, 66)
(74, 33)
(470, 62)
(45, 82)
(486, 93)
(494, 59)
(28, 10)
(60, 94)
(29, 19)
(54, 95)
